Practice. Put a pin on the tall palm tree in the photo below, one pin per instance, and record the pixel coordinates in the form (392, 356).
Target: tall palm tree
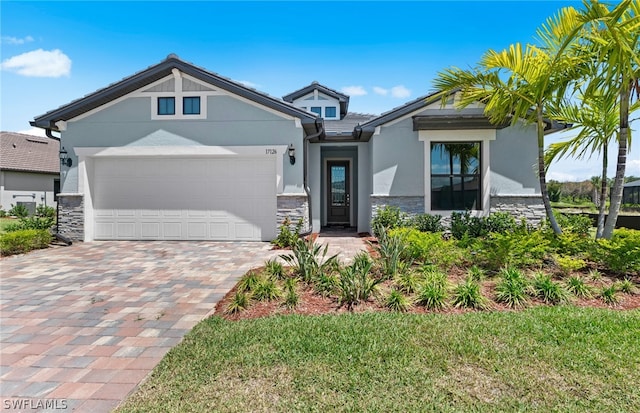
(516, 84)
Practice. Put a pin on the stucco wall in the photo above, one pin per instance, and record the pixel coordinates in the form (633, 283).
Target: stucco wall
(26, 187)
(230, 122)
(514, 161)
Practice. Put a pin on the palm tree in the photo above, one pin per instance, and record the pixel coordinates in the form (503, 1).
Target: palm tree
(515, 85)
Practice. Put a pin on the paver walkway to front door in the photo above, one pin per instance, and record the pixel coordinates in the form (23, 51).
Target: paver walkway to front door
(81, 326)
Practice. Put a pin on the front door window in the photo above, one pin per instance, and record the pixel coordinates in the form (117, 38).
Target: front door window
(338, 192)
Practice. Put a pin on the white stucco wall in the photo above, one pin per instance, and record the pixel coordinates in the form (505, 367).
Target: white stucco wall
(26, 187)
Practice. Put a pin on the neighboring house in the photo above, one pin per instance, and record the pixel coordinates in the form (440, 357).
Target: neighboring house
(178, 152)
(29, 170)
(631, 192)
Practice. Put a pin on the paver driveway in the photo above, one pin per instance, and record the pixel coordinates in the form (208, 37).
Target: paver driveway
(81, 326)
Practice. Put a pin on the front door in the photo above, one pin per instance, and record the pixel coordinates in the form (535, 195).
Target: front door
(339, 193)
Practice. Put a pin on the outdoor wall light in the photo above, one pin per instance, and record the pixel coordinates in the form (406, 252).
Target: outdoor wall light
(292, 154)
(64, 158)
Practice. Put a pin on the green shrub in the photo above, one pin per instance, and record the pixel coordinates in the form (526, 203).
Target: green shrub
(511, 288)
(309, 259)
(464, 225)
(569, 264)
(626, 286)
(578, 287)
(386, 218)
(434, 291)
(476, 273)
(396, 301)
(249, 282)
(427, 223)
(31, 223)
(621, 253)
(266, 290)
(391, 248)
(43, 210)
(468, 295)
(3, 213)
(575, 223)
(429, 248)
(286, 237)
(18, 242)
(239, 303)
(547, 290)
(609, 295)
(355, 283)
(569, 243)
(275, 269)
(19, 211)
(325, 284)
(291, 297)
(518, 249)
(408, 281)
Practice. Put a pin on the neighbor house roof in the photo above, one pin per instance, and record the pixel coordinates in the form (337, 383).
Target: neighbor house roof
(27, 153)
(341, 97)
(632, 184)
(157, 72)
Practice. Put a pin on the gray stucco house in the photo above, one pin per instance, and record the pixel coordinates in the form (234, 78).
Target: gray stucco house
(178, 152)
(29, 170)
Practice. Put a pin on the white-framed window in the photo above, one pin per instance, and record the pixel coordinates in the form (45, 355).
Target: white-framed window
(330, 112)
(191, 105)
(166, 105)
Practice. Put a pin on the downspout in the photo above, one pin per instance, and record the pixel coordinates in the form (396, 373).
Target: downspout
(58, 235)
(305, 160)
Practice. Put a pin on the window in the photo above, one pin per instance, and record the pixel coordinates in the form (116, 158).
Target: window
(191, 105)
(455, 176)
(167, 106)
(317, 110)
(330, 112)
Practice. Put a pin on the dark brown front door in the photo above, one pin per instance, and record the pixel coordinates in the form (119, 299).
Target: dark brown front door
(338, 191)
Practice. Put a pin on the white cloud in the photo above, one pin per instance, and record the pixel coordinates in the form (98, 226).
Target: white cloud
(39, 63)
(562, 177)
(33, 132)
(380, 91)
(633, 167)
(354, 90)
(249, 84)
(400, 92)
(16, 40)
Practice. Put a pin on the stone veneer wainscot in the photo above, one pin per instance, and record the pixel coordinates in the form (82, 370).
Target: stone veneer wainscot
(71, 216)
(294, 207)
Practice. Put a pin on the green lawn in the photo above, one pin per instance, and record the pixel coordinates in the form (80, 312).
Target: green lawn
(542, 359)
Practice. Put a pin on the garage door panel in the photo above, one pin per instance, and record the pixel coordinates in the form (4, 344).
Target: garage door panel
(216, 198)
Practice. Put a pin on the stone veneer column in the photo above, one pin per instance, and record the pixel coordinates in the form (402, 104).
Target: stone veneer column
(71, 216)
(294, 207)
(529, 207)
(412, 205)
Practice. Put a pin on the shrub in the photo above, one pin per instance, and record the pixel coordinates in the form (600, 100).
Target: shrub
(396, 301)
(578, 287)
(391, 248)
(548, 290)
(511, 289)
(309, 259)
(266, 290)
(239, 303)
(626, 286)
(3, 213)
(22, 241)
(286, 237)
(43, 210)
(569, 243)
(248, 282)
(609, 295)
(429, 248)
(569, 264)
(468, 295)
(513, 249)
(386, 218)
(407, 281)
(19, 211)
(433, 292)
(575, 223)
(621, 253)
(325, 284)
(291, 297)
(476, 273)
(427, 223)
(31, 223)
(275, 269)
(355, 283)
(464, 225)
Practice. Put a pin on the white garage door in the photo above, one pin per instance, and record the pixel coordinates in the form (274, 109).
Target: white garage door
(191, 198)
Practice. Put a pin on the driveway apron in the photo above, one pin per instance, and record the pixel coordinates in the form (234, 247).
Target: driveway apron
(82, 326)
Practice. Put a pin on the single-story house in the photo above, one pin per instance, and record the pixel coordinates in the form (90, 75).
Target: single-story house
(176, 152)
(29, 170)
(631, 192)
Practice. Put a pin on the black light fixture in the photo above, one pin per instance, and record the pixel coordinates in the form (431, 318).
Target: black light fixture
(292, 154)
(64, 158)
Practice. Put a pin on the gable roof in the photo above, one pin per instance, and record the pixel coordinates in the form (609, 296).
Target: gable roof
(341, 97)
(157, 72)
(27, 153)
(632, 184)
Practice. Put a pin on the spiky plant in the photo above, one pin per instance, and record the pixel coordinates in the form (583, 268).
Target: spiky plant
(609, 295)
(578, 287)
(434, 291)
(396, 301)
(274, 268)
(266, 290)
(291, 297)
(549, 291)
(468, 295)
(249, 282)
(511, 289)
(239, 303)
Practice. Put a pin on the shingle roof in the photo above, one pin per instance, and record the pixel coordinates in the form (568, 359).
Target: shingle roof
(632, 184)
(20, 152)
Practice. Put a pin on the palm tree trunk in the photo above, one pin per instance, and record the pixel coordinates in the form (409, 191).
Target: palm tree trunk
(616, 192)
(542, 174)
(603, 192)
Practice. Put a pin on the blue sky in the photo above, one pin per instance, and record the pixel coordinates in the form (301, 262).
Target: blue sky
(382, 54)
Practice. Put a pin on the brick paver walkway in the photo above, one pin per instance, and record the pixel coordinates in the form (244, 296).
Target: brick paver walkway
(82, 326)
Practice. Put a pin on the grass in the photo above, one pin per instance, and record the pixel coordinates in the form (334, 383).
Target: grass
(541, 359)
